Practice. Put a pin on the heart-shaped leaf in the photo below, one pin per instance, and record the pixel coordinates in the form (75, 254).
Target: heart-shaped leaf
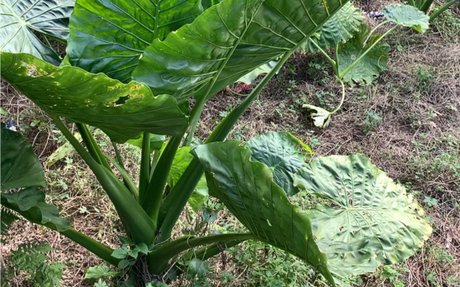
(227, 41)
(367, 219)
(21, 18)
(30, 203)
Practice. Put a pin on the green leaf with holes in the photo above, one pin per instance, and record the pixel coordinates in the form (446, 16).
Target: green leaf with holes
(227, 41)
(248, 190)
(284, 154)
(366, 220)
(407, 16)
(110, 36)
(363, 58)
(123, 111)
(20, 167)
(338, 29)
(21, 19)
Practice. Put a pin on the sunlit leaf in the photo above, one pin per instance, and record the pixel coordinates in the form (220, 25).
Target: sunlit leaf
(110, 36)
(407, 16)
(21, 18)
(226, 42)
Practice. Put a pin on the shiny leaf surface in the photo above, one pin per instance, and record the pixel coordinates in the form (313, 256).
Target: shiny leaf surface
(20, 167)
(226, 42)
(21, 18)
(368, 219)
(123, 111)
(247, 188)
(110, 36)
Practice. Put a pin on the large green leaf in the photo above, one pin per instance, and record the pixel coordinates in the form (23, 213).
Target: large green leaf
(227, 41)
(110, 36)
(123, 111)
(19, 165)
(407, 16)
(368, 220)
(30, 203)
(284, 154)
(21, 18)
(247, 188)
(361, 61)
(338, 29)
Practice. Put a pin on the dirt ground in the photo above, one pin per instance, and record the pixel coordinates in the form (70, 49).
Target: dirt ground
(407, 122)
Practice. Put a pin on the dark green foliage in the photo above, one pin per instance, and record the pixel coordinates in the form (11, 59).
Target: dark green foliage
(31, 264)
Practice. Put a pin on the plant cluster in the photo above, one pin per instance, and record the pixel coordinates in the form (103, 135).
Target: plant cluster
(131, 69)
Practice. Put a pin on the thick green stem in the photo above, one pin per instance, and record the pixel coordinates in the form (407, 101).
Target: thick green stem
(426, 5)
(151, 199)
(175, 202)
(100, 250)
(373, 31)
(441, 9)
(207, 252)
(144, 175)
(127, 180)
(159, 257)
(96, 247)
(195, 119)
(92, 145)
(134, 219)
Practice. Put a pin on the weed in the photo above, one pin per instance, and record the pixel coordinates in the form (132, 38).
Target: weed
(441, 255)
(424, 78)
(393, 275)
(371, 121)
(29, 264)
(430, 201)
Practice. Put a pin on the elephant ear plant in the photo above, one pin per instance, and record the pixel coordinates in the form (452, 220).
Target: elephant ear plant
(130, 70)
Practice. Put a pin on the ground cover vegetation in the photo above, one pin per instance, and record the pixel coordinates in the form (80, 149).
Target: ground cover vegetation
(147, 79)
